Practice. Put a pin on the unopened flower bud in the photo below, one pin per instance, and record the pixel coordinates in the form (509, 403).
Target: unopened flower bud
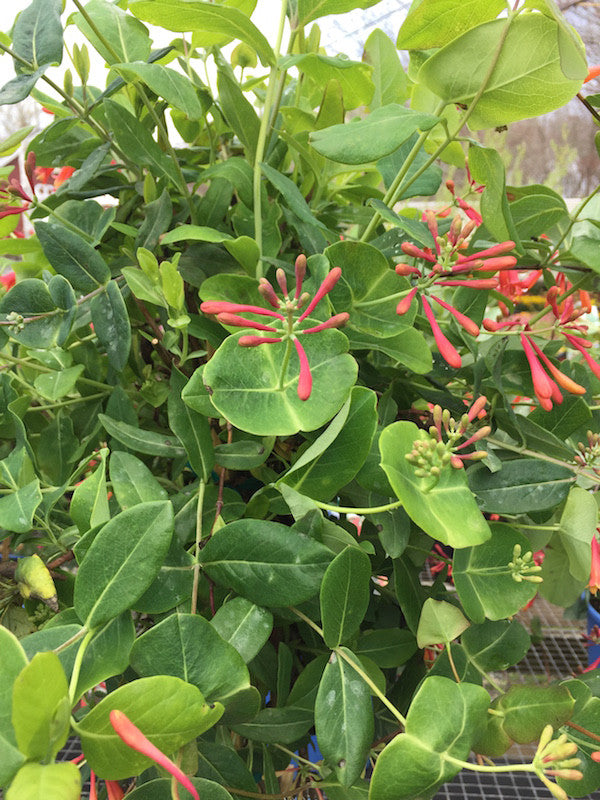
(281, 280)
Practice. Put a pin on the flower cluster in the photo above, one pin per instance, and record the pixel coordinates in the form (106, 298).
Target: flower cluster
(588, 455)
(286, 319)
(430, 455)
(523, 566)
(555, 757)
(446, 266)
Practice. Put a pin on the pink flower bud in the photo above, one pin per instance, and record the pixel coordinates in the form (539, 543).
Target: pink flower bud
(406, 302)
(30, 169)
(542, 384)
(477, 407)
(329, 282)
(333, 322)
(462, 319)
(497, 249)
(578, 341)
(267, 291)
(475, 283)
(456, 462)
(305, 378)
(17, 189)
(253, 341)
(413, 251)
(219, 306)
(134, 738)
(495, 264)
(447, 350)
(300, 271)
(239, 322)
(592, 364)
(281, 280)
(405, 269)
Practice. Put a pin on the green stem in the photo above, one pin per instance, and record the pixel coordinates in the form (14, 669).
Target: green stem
(399, 186)
(526, 452)
(360, 511)
(199, 509)
(482, 768)
(451, 662)
(262, 141)
(70, 641)
(70, 402)
(285, 362)
(77, 666)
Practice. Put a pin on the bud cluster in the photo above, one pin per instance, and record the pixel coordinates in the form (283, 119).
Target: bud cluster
(430, 455)
(555, 757)
(588, 455)
(523, 567)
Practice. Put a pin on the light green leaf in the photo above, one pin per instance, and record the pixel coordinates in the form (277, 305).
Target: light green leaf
(128, 38)
(18, 508)
(440, 622)
(244, 625)
(309, 10)
(528, 709)
(434, 23)
(54, 385)
(50, 781)
(132, 481)
(388, 74)
(174, 87)
(487, 168)
(89, 504)
(353, 77)
(577, 528)
(12, 663)
(528, 79)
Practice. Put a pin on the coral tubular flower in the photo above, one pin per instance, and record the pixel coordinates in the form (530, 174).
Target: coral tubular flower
(447, 350)
(406, 302)
(305, 379)
(134, 738)
(221, 306)
(300, 272)
(579, 344)
(562, 380)
(542, 384)
(594, 583)
(63, 175)
(328, 283)
(254, 341)
(333, 322)
(242, 322)
(462, 319)
(113, 790)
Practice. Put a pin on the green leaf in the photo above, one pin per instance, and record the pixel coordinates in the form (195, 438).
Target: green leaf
(172, 585)
(37, 35)
(366, 289)
(50, 781)
(353, 77)
(495, 646)
(408, 348)
(142, 287)
(434, 23)
(29, 298)
(388, 74)
(122, 562)
(129, 39)
(58, 448)
(291, 196)
(148, 442)
(586, 714)
(309, 10)
(244, 625)
(173, 86)
(169, 711)
(266, 562)
(18, 508)
(12, 663)
(177, 15)
(415, 763)
(11, 760)
(487, 168)
(344, 718)
(40, 715)
(111, 325)
(19, 88)
(12, 142)
(54, 385)
(528, 709)
(135, 139)
(72, 257)
(445, 510)
(484, 580)
(345, 595)
(387, 647)
(88, 170)
(532, 56)
(534, 214)
(189, 647)
(89, 504)
(577, 528)
(132, 481)
(237, 110)
(330, 464)
(373, 137)
(277, 725)
(107, 654)
(161, 789)
(191, 428)
(245, 384)
(523, 485)
(440, 622)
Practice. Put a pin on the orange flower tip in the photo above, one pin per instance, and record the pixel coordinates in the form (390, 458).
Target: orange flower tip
(595, 756)
(593, 72)
(404, 270)
(490, 325)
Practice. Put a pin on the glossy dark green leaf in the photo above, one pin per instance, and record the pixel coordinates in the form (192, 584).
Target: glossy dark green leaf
(111, 325)
(445, 509)
(373, 137)
(344, 718)
(148, 442)
(414, 764)
(72, 256)
(528, 709)
(277, 725)
(224, 765)
(40, 714)
(345, 595)
(37, 35)
(135, 139)
(161, 789)
(266, 562)
(244, 625)
(409, 590)
(58, 448)
(387, 647)
(177, 15)
(172, 585)
(169, 711)
(191, 428)
(522, 485)
(89, 504)
(291, 196)
(189, 647)
(132, 481)
(484, 580)
(495, 646)
(122, 561)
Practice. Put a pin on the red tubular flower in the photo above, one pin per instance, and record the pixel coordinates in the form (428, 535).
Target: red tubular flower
(497, 264)
(134, 738)
(113, 790)
(329, 282)
(447, 350)
(300, 272)
(495, 250)
(333, 322)
(220, 306)
(562, 380)
(544, 387)
(43, 174)
(406, 302)
(8, 279)
(305, 379)
(466, 322)
(477, 283)
(594, 583)
(253, 341)
(413, 251)
(281, 280)
(242, 322)
(30, 169)
(405, 269)
(578, 343)
(8, 211)
(63, 175)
